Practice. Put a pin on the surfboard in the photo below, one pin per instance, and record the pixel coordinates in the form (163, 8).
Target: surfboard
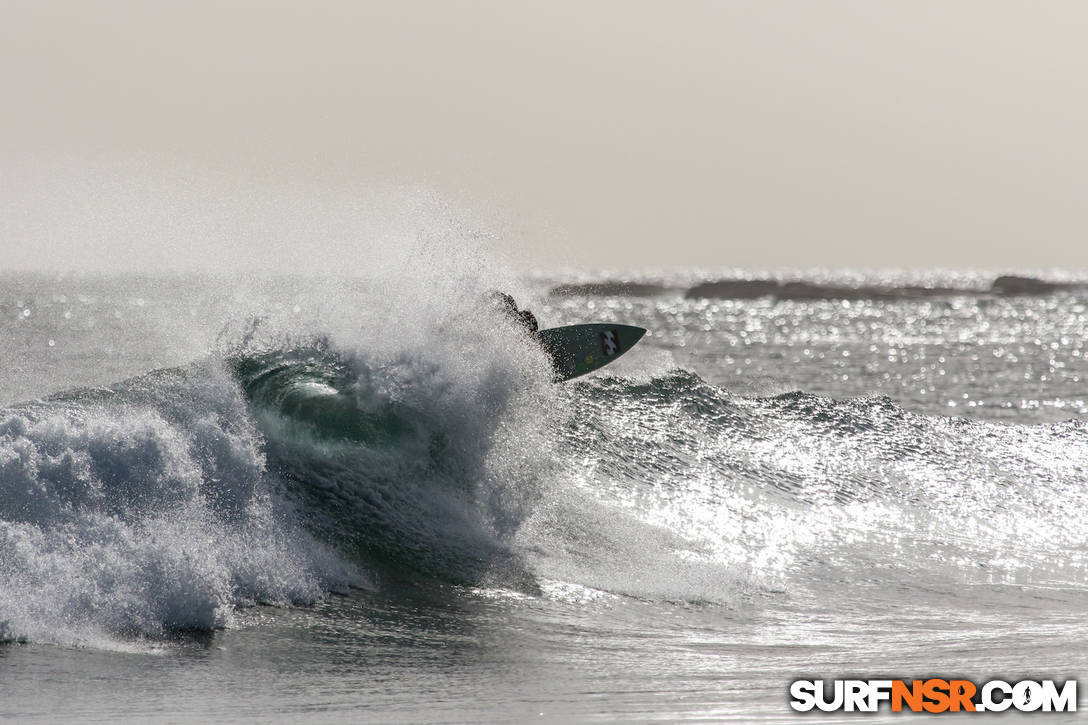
(580, 349)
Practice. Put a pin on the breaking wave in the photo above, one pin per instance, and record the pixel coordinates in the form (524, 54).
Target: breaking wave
(143, 509)
(274, 473)
(289, 467)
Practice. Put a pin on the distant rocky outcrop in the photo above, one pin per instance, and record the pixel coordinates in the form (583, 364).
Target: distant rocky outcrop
(734, 289)
(747, 289)
(1011, 285)
(752, 288)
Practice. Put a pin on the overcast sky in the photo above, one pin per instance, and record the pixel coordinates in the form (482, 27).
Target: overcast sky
(591, 135)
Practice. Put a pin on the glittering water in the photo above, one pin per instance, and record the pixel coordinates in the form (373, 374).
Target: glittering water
(230, 499)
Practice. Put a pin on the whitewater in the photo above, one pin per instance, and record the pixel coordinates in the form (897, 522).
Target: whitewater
(261, 498)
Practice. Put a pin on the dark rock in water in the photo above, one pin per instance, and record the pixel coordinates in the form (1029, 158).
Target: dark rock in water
(910, 292)
(736, 289)
(609, 289)
(808, 291)
(749, 289)
(1011, 284)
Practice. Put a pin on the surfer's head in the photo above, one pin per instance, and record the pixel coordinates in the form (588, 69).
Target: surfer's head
(503, 302)
(509, 307)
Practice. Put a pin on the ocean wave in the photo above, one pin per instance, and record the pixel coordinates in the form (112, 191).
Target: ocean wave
(278, 473)
(142, 510)
(278, 468)
(769, 492)
(394, 463)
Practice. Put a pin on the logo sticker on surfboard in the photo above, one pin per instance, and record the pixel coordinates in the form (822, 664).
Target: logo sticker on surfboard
(610, 342)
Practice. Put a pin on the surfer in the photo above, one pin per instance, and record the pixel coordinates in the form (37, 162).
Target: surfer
(574, 349)
(509, 307)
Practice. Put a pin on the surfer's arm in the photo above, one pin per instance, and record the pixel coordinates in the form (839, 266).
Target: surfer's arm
(529, 320)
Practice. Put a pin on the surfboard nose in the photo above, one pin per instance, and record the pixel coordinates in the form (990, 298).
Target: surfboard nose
(580, 349)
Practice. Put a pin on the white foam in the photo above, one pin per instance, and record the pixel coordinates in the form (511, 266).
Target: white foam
(122, 520)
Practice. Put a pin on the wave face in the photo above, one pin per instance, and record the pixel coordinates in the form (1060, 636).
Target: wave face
(720, 497)
(394, 463)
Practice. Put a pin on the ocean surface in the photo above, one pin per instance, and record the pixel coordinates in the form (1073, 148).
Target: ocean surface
(290, 499)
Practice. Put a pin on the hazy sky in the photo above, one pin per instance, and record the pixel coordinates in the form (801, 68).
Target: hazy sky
(618, 134)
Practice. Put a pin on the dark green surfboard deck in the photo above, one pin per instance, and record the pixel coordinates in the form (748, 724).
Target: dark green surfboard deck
(580, 349)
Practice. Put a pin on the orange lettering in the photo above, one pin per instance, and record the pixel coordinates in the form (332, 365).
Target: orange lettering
(911, 695)
(936, 691)
(961, 692)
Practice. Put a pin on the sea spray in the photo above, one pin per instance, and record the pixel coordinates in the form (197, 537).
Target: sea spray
(421, 451)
